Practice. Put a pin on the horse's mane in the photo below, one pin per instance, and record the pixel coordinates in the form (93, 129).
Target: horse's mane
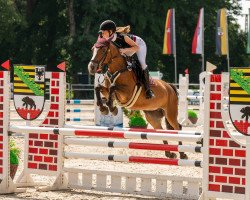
(117, 48)
(102, 42)
(174, 88)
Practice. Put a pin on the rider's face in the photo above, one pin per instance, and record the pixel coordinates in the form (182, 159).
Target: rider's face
(105, 34)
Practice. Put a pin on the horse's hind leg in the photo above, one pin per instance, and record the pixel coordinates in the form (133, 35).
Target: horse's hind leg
(172, 124)
(154, 118)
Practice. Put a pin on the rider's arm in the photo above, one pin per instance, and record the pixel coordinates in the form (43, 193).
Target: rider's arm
(134, 47)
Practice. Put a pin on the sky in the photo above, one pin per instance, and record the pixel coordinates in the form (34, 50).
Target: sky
(245, 6)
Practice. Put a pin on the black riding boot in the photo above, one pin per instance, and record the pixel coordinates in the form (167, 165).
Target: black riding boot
(149, 93)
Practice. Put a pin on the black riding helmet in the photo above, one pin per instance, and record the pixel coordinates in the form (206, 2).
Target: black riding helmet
(108, 25)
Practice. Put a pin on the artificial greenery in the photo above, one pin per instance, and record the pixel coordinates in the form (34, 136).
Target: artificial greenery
(135, 118)
(192, 114)
(137, 122)
(14, 153)
(69, 95)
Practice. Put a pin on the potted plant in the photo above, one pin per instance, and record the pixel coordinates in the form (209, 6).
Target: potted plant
(136, 120)
(14, 158)
(192, 116)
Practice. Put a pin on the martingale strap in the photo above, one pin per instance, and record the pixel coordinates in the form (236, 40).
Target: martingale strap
(113, 77)
(136, 93)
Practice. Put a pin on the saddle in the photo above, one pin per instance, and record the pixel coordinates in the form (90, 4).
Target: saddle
(135, 66)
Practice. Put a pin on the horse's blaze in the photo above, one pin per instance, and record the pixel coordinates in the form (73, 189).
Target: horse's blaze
(91, 68)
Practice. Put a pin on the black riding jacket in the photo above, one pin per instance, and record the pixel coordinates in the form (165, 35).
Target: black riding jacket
(120, 41)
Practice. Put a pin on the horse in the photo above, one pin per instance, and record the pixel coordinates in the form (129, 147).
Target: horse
(120, 84)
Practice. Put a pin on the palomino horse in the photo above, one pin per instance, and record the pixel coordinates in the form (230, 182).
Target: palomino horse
(121, 84)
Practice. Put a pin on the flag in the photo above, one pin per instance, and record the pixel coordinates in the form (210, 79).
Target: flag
(210, 67)
(197, 44)
(248, 40)
(6, 64)
(62, 66)
(221, 33)
(169, 35)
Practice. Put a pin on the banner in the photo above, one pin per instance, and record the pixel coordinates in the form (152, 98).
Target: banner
(221, 33)
(239, 99)
(29, 90)
(169, 36)
(197, 44)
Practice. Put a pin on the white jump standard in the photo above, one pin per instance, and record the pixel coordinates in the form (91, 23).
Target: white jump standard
(226, 166)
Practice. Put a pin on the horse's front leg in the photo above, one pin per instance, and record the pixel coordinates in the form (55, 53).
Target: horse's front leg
(113, 109)
(104, 110)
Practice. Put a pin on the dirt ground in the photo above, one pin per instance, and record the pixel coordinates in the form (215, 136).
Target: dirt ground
(31, 193)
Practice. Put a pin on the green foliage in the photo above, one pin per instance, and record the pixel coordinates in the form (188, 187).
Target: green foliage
(137, 122)
(132, 113)
(192, 114)
(69, 95)
(126, 112)
(135, 118)
(14, 153)
(37, 32)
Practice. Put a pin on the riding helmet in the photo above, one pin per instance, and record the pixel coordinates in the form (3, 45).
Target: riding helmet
(108, 25)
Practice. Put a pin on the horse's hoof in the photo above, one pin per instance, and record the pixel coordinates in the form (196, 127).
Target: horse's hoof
(104, 110)
(170, 155)
(180, 126)
(114, 111)
(183, 156)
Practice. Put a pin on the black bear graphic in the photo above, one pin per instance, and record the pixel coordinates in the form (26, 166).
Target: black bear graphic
(246, 112)
(28, 101)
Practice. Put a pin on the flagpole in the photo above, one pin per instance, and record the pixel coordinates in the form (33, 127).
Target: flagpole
(202, 55)
(248, 33)
(175, 61)
(228, 63)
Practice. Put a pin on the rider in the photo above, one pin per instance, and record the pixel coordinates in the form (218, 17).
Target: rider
(128, 44)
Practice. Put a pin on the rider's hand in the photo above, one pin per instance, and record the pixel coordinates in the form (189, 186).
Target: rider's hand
(123, 51)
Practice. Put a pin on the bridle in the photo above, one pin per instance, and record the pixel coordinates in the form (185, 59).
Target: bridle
(99, 64)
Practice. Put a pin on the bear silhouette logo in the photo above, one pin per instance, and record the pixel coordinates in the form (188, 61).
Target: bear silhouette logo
(246, 112)
(29, 102)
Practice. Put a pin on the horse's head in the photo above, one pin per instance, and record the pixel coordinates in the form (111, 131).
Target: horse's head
(100, 54)
(103, 52)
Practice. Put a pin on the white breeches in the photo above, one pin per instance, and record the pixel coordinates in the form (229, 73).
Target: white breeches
(141, 54)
